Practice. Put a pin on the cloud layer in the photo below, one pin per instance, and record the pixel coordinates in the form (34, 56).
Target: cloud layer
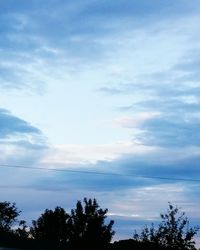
(114, 87)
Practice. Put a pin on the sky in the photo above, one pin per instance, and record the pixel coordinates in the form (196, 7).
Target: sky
(110, 87)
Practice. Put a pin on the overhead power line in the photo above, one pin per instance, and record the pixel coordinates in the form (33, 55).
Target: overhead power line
(99, 173)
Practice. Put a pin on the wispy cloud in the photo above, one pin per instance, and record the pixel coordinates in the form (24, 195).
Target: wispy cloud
(137, 120)
(12, 125)
(144, 56)
(20, 142)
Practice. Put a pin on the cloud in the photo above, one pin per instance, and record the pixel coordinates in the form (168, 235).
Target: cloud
(137, 169)
(74, 154)
(128, 196)
(170, 88)
(137, 120)
(110, 90)
(136, 204)
(20, 142)
(170, 132)
(144, 56)
(89, 33)
(12, 125)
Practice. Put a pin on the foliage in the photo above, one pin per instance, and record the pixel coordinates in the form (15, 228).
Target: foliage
(87, 227)
(8, 216)
(51, 225)
(87, 224)
(173, 231)
(22, 231)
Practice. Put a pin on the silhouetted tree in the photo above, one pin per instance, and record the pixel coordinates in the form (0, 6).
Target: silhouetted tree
(8, 216)
(51, 225)
(173, 231)
(22, 231)
(87, 225)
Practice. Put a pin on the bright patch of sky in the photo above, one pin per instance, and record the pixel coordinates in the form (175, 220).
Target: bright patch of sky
(103, 85)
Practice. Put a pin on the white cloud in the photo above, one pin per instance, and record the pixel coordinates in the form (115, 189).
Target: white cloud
(148, 202)
(91, 154)
(137, 119)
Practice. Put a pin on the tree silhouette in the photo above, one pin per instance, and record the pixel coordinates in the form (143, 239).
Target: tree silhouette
(22, 231)
(8, 216)
(87, 225)
(173, 231)
(84, 226)
(51, 225)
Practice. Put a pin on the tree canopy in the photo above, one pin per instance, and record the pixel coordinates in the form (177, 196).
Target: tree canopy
(8, 216)
(51, 225)
(174, 231)
(87, 227)
(87, 224)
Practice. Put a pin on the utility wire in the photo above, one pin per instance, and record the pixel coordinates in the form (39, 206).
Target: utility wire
(99, 173)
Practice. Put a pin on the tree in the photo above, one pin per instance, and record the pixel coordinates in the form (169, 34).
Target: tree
(87, 225)
(51, 225)
(22, 231)
(84, 226)
(8, 216)
(173, 231)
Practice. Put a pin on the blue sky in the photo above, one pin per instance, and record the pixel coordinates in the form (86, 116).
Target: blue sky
(107, 86)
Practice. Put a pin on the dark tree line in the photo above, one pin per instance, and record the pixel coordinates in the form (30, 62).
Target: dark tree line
(86, 227)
